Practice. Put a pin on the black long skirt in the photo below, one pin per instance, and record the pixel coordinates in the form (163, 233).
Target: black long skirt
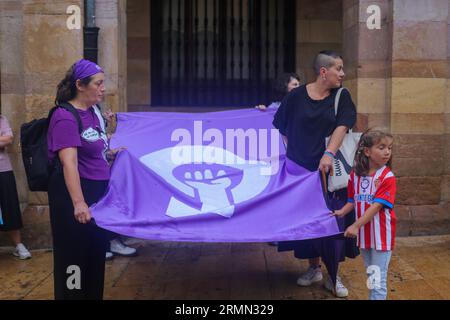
(307, 249)
(78, 249)
(9, 203)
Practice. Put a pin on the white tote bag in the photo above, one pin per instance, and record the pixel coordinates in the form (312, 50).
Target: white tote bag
(343, 162)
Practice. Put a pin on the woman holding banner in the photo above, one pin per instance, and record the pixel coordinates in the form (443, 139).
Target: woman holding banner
(79, 151)
(305, 118)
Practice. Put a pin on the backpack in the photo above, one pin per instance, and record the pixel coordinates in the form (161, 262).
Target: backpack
(33, 142)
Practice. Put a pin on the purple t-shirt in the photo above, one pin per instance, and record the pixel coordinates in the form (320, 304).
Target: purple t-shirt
(91, 144)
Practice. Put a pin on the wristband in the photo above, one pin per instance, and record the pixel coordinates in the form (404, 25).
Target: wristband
(333, 153)
(329, 154)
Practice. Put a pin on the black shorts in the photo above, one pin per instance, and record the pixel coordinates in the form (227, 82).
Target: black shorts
(9, 203)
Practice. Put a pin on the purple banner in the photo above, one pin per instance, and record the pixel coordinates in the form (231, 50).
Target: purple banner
(210, 177)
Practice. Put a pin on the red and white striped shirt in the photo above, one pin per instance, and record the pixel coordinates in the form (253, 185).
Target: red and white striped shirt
(379, 233)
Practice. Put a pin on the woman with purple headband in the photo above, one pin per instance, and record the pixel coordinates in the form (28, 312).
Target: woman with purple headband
(79, 178)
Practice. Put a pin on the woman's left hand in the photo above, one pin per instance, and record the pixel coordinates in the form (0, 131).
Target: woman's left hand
(109, 116)
(112, 153)
(326, 164)
(351, 232)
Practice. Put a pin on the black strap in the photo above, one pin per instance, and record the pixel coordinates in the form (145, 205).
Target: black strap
(67, 106)
(56, 165)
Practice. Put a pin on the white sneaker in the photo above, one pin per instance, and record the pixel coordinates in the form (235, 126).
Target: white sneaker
(117, 247)
(313, 274)
(109, 256)
(22, 252)
(339, 291)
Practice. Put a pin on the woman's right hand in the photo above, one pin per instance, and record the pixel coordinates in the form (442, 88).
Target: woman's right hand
(326, 164)
(82, 213)
(261, 107)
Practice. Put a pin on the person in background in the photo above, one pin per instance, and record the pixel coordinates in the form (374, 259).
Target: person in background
(10, 215)
(116, 244)
(283, 84)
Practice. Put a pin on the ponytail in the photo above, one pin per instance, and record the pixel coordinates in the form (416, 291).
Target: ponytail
(67, 89)
(361, 160)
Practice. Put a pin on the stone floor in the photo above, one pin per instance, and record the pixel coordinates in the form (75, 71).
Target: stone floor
(420, 269)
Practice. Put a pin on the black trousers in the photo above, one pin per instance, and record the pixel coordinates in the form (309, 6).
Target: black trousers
(78, 249)
(9, 203)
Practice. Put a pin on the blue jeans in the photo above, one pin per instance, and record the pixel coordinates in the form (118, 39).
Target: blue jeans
(377, 263)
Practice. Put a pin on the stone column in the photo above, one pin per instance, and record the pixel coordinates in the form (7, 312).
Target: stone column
(446, 179)
(398, 76)
(319, 27)
(12, 82)
(418, 99)
(367, 62)
(138, 40)
(112, 55)
(37, 49)
(49, 49)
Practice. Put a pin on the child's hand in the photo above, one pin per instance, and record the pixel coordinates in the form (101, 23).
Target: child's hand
(351, 232)
(338, 213)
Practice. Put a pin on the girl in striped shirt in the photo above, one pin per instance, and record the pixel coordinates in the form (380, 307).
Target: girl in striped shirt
(371, 193)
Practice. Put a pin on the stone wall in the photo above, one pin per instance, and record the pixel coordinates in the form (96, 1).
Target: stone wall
(446, 177)
(138, 24)
(319, 27)
(398, 76)
(12, 79)
(112, 55)
(367, 61)
(36, 49)
(418, 99)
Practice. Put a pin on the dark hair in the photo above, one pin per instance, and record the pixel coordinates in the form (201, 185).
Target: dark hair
(368, 139)
(280, 85)
(67, 89)
(325, 59)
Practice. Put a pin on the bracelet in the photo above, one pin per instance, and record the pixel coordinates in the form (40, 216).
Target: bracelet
(333, 153)
(329, 154)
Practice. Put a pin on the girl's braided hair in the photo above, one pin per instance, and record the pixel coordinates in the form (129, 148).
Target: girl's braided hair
(368, 139)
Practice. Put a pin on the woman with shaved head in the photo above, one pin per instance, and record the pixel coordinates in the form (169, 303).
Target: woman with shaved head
(305, 118)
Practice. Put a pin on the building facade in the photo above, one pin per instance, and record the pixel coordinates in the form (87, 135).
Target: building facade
(396, 54)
